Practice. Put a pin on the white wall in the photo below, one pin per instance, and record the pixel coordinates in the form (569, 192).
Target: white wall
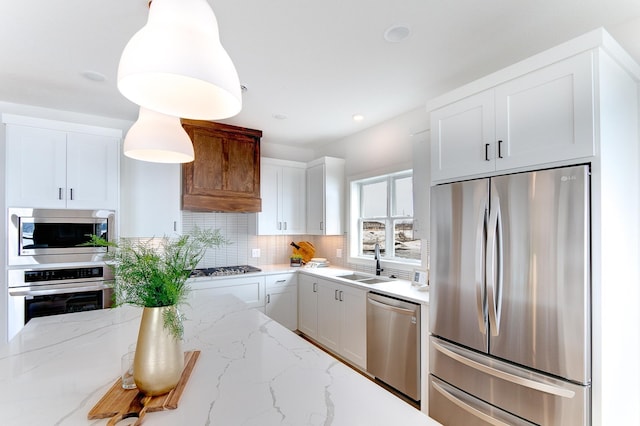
(72, 117)
(385, 147)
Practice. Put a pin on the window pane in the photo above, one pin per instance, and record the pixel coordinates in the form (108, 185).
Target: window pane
(403, 203)
(406, 246)
(374, 199)
(372, 232)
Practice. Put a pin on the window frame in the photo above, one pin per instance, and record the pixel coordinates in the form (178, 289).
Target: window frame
(356, 252)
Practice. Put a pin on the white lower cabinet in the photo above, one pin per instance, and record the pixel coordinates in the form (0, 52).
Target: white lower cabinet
(282, 299)
(308, 305)
(334, 315)
(250, 290)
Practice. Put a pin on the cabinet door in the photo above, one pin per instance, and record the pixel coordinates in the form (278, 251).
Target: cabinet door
(353, 318)
(36, 167)
(546, 115)
(269, 222)
(280, 307)
(329, 318)
(250, 290)
(293, 200)
(282, 299)
(308, 305)
(315, 200)
(150, 199)
(92, 171)
(462, 137)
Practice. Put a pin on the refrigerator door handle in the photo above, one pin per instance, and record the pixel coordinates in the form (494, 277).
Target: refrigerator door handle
(494, 265)
(466, 407)
(503, 375)
(481, 233)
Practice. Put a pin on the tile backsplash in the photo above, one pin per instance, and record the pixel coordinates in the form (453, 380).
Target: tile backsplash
(274, 249)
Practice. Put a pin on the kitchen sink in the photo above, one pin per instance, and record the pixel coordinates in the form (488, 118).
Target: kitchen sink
(364, 279)
(374, 281)
(355, 277)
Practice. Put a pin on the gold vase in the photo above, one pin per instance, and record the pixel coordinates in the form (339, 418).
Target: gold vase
(159, 359)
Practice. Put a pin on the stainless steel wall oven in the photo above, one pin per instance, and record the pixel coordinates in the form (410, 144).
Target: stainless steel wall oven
(50, 270)
(41, 292)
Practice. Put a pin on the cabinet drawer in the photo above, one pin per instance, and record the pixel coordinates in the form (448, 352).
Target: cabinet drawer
(280, 281)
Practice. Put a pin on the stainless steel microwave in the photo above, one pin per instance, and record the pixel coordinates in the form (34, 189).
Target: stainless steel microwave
(37, 236)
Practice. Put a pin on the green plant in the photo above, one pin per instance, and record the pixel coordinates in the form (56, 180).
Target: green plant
(154, 272)
(296, 256)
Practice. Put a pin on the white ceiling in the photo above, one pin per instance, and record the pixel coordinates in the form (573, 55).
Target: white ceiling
(316, 62)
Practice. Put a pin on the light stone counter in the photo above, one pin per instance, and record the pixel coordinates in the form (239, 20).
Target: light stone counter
(394, 287)
(251, 371)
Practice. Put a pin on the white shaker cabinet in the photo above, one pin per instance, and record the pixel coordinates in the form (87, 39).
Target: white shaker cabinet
(150, 199)
(325, 196)
(249, 289)
(50, 167)
(334, 315)
(283, 189)
(308, 305)
(282, 299)
(342, 326)
(542, 117)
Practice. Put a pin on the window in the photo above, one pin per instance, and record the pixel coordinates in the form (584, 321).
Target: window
(382, 212)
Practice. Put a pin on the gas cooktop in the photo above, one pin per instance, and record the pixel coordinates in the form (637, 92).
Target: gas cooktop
(219, 271)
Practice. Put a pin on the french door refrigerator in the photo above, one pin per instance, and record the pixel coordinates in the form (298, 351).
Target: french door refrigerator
(510, 300)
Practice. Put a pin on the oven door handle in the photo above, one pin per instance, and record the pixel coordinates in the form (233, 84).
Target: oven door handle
(50, 290)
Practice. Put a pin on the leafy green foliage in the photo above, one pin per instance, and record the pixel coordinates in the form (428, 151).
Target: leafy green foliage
(153, 272)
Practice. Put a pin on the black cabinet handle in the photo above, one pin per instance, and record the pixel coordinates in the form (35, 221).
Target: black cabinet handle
(486, 152)
(499, 149)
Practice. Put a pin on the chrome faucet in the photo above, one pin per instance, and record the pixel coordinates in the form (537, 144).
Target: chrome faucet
(376, 256)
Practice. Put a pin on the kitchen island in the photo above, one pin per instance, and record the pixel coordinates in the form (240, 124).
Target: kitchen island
(251, 371)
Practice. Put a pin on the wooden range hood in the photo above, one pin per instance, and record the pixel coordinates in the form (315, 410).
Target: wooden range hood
(225, 175)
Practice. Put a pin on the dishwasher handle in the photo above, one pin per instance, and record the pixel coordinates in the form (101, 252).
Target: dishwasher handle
(392, 308)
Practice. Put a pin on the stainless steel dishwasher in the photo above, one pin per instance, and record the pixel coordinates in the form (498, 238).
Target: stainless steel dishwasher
(393, 343)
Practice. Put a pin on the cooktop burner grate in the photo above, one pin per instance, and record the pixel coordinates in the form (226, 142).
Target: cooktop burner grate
(219, 271)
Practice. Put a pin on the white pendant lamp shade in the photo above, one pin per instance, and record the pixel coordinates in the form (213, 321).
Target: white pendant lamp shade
(158, 138)
(176, 65)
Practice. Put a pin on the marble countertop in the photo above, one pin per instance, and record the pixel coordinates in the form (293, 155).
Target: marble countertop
(394, 287)
(251, 371)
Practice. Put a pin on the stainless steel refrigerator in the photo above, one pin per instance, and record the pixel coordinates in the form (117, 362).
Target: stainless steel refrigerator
(510, 299)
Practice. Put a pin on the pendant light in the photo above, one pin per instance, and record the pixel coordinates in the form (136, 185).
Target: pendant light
(158, 138)
(177, 66)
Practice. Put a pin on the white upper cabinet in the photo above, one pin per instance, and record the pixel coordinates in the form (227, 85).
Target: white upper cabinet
(462, 136)
(542, 117)
(282, 187)
(150, 199)
(54, 168)
(325, 196)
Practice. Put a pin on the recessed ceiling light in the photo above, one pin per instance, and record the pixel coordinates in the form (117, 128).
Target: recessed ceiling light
(397, 33)
(93, 75)
(358, 117)
(280, 116)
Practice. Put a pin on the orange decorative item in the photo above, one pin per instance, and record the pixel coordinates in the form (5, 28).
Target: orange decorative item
(304, 249)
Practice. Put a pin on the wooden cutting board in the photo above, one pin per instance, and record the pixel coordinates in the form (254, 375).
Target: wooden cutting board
(305, 249)
(118, 400)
